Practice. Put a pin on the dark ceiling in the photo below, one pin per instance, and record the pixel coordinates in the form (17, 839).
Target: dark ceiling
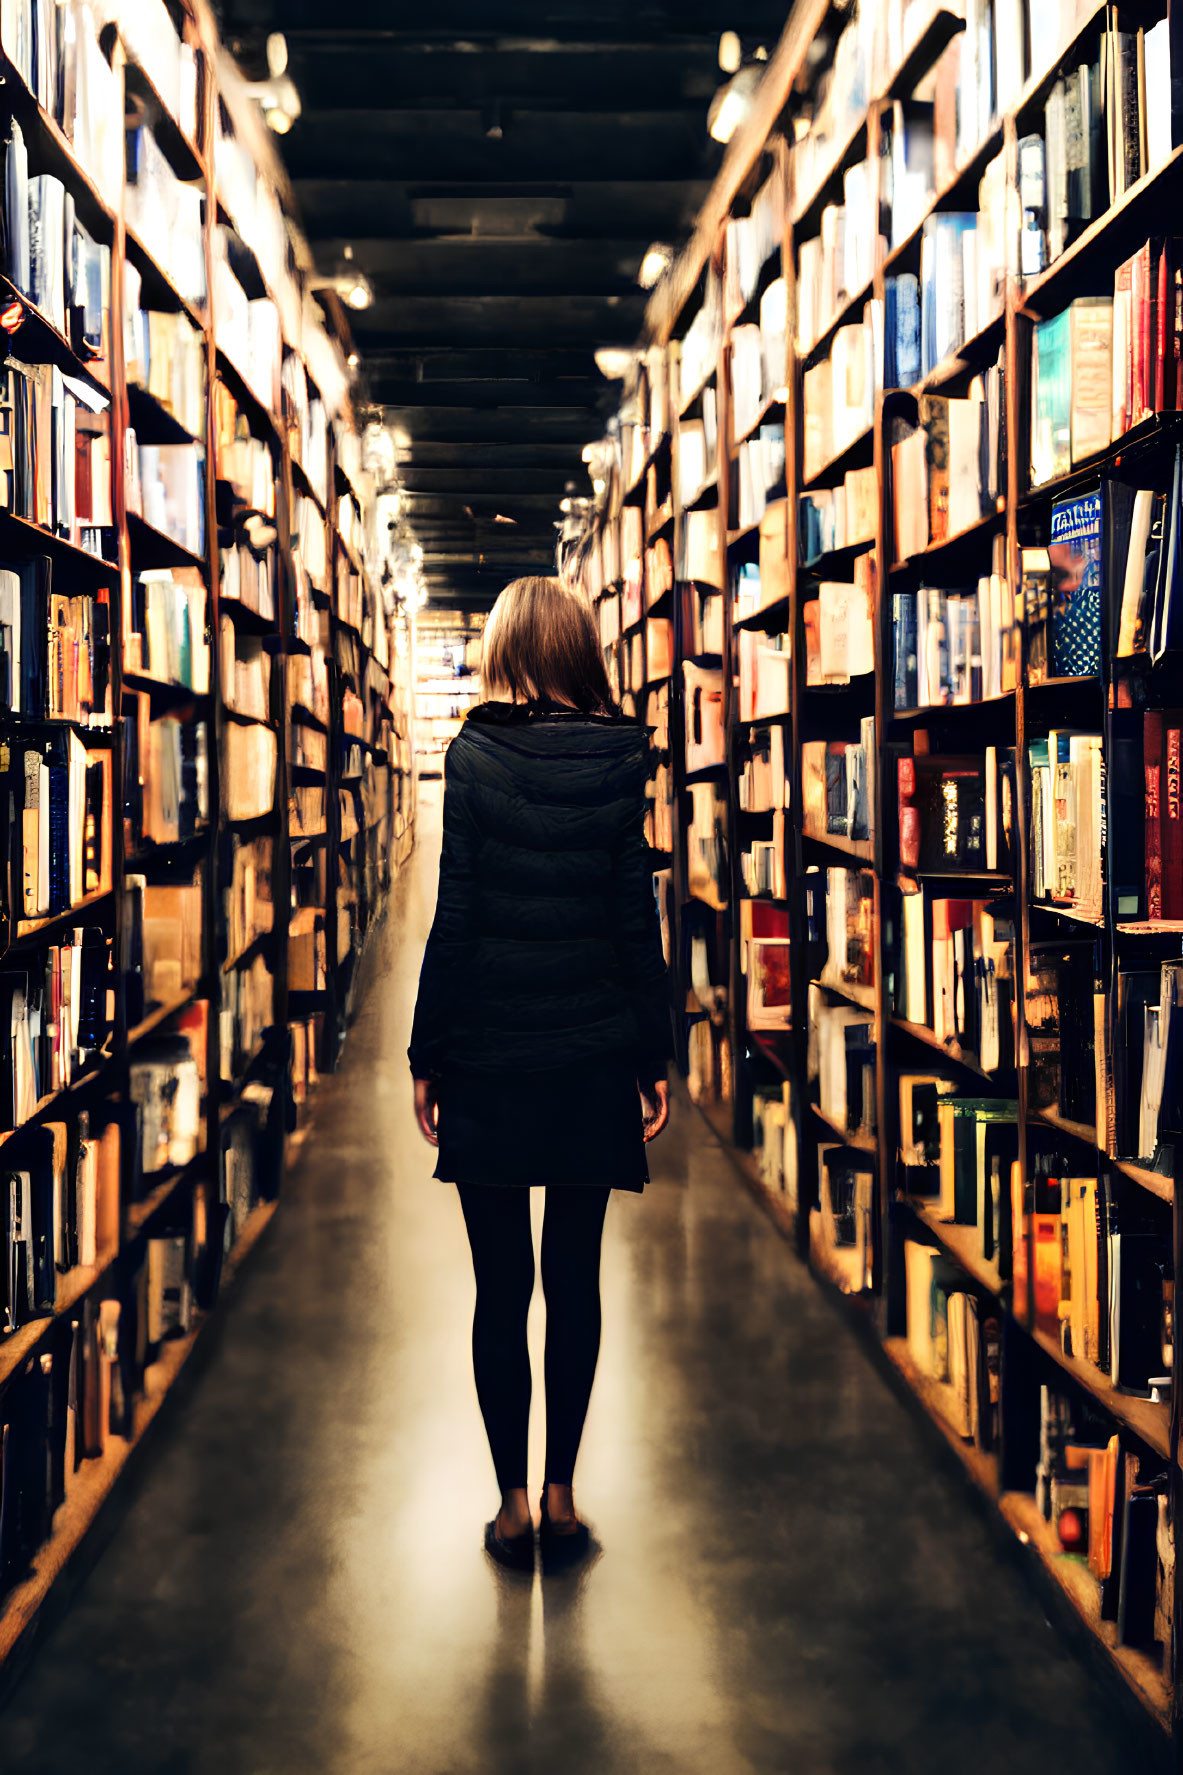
(499, 264)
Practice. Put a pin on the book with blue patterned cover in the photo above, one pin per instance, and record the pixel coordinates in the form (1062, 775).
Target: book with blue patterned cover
(1075, 559)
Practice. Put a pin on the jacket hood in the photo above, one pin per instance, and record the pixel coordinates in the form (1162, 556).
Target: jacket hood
(611, 751)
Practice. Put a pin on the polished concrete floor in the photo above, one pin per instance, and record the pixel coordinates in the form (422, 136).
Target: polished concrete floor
(788, 1582)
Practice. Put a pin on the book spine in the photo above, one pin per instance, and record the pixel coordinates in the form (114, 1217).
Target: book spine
(1171, 817)
(1152, 771)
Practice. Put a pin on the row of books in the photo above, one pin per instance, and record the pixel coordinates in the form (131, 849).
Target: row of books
(160, 942)
(55, 466)
(166, 637)
(52, 258)
(1106, 363)
(167, 1089)
(965, 259)
(245, 670)
(1108, 120)
(838, 785)
(764, 674)
(248, 575)
(758, 359)
(751, 242)
(1102, 1273)
(165, 485)
(247, 899)
(243, 460)
(840, 929)
(1067, 777)
(59, 1209)
(844, 516)
(165, 214)
(763, 784)
(56, 52)
(955, 1340)
(838, 394)
(837, 262)
(952, 965)
(759, 474)
(247, 329)
(774, 1140)
(841, 1063)
(1107, 1500)
(948, 470)
(165, 775)
(841, 1235)
(955, 646)
(957, 811)
(55, 1013)
(60, 792)
(839, 628)
(164, 354)
(307, 425)
(54, 648)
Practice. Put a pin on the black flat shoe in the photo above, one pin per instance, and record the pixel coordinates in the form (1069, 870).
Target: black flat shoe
(514, 1552)
(561, 1548)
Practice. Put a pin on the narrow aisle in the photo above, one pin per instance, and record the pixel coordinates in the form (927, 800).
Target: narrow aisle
(789, 1582)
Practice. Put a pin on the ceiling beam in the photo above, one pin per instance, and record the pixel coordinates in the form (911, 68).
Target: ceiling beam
(612, 21)
(462, 483)
(391, 391)
(443, 146)
(506, 425)
(498, 320)
(471, 266)
(586, 208)
(378, 74)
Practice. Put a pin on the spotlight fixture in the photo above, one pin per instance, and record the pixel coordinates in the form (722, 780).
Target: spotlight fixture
(351, 284)
(733, 101)
(655, 264)
(614, 361)
(277, 95)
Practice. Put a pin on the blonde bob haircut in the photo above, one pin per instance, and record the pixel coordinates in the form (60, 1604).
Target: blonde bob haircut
(541, 640)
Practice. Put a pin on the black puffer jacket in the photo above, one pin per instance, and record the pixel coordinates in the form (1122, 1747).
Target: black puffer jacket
(546, 947)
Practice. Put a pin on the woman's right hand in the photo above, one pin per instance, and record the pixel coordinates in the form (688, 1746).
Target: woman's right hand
(426, 1110)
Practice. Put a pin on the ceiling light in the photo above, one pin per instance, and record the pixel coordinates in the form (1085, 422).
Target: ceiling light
(277, 54)
(732, 102)
(358, 292)
(500, 518)
(590, 451)
(352, 360)
(354, 287)
(730, 52)
(655, 264)
(614, 361)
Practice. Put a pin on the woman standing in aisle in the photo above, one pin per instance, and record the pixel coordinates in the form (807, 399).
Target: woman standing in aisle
(542, 1026)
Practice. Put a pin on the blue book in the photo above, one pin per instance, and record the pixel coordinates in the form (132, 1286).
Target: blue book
(1051, 421)
(903, 627)
(1075, 558)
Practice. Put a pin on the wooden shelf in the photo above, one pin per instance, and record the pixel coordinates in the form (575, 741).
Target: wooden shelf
(861, 1139)
(963, 1243)
(95, 1479)
(1080, 1587)
(981, 1467)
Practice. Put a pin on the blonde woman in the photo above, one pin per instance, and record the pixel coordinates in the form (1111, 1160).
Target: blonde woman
(542, 1027)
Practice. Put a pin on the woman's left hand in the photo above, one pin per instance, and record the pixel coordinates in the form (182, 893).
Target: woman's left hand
(426, 1110)
(656, 1105)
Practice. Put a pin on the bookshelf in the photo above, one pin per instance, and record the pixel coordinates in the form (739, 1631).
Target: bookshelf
(915, 810)
(207, 730)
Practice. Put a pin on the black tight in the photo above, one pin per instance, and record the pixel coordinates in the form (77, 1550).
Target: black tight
(498, 1223)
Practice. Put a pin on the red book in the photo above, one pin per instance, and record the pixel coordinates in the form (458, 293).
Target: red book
(1164, 310)
(1152, 769)
(1170, 800)
(909, 815)
(1141, 335)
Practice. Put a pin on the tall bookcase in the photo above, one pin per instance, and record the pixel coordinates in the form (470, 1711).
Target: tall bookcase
(996, 1310)
(224, 683)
